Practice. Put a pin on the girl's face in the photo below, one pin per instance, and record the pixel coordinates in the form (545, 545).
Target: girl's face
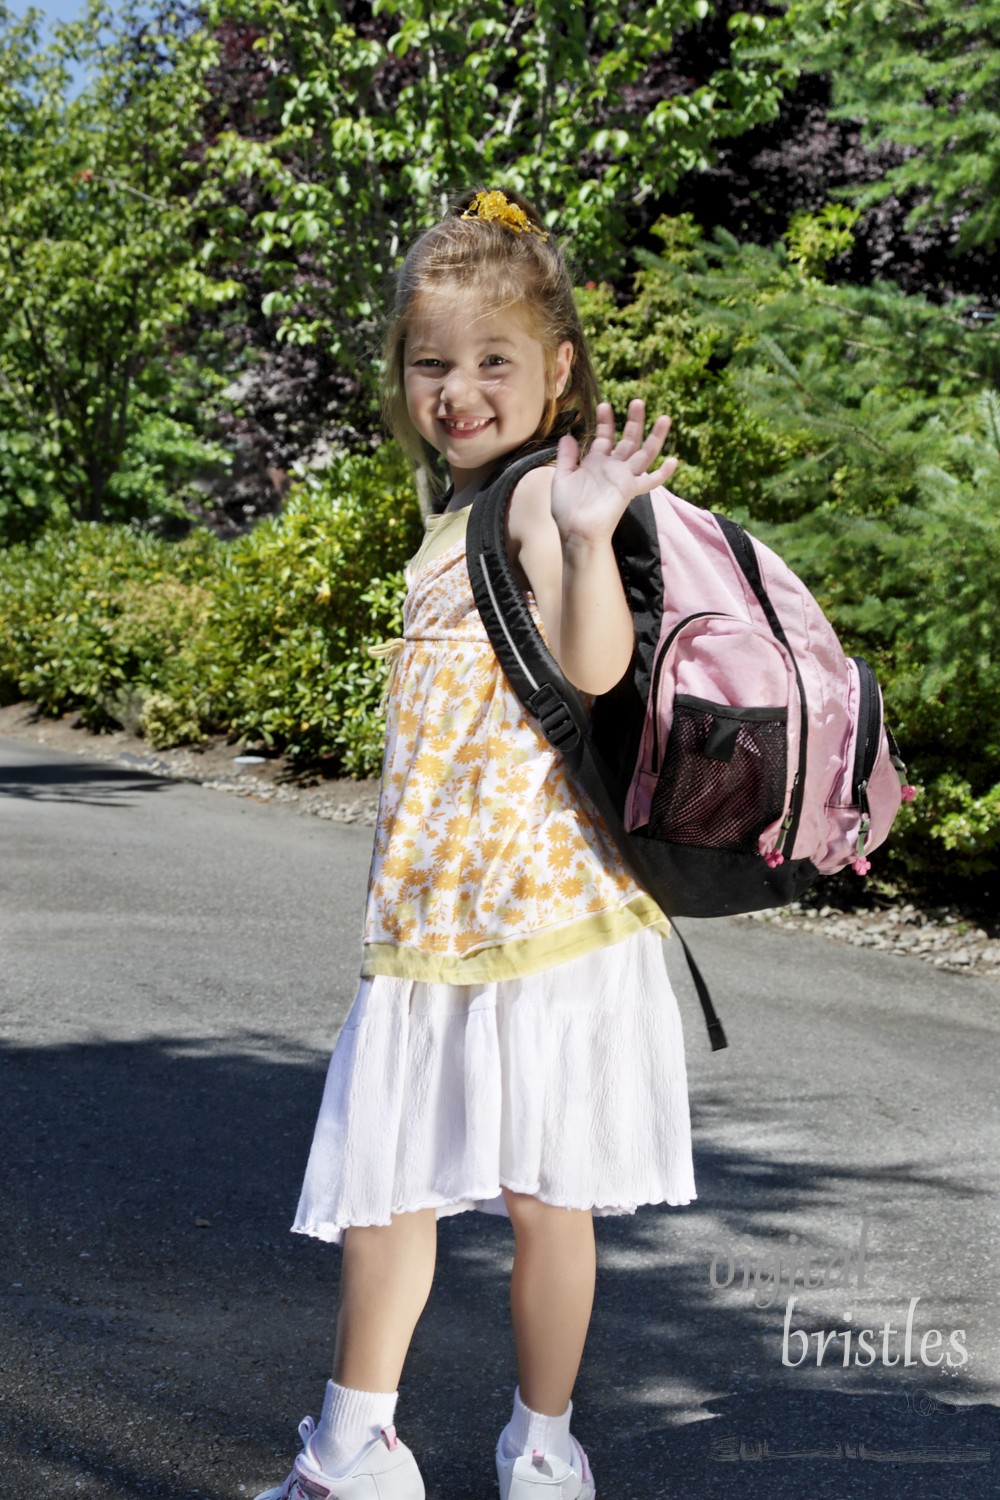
(475, 385)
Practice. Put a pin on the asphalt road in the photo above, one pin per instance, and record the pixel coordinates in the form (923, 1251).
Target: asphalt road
(174, 966)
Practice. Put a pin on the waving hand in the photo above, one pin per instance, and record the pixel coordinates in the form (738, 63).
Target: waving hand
(589, 496)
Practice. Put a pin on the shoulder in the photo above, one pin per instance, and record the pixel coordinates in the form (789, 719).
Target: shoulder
(530, 509)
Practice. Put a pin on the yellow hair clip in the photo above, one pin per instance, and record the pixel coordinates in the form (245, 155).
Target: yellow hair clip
(497, 208)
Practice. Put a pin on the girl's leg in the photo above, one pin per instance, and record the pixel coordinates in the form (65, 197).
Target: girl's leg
(551, 1297)
(385, 1280)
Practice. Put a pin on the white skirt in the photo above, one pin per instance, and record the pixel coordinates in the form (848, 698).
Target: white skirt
(569, 1084)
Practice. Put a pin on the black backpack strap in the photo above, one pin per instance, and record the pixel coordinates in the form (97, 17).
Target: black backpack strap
(538, 680)
(716, 1035)
(528, 665)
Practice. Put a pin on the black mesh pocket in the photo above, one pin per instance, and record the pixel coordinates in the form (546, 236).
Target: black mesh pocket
(723, 777)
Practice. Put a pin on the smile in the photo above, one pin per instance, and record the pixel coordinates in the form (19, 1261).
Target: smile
(464, 426)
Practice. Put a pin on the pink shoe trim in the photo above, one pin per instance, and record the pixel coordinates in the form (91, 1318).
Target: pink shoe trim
(537, 1457)
(309, 1485)
(391, 1440)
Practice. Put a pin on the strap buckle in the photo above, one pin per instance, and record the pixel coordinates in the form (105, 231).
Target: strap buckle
(558, 724)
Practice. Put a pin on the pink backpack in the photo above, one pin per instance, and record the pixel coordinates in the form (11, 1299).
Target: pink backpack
(743, 754)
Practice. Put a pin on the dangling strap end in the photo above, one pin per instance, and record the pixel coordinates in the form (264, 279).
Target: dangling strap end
(716, 1035)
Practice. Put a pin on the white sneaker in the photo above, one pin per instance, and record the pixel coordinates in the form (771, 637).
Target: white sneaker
(542, 1477)
(385, 1470)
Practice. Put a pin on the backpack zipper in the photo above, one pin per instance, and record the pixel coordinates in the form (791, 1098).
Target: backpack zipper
(712, 614)
(737, 537)
(865, 752)
(869, 724)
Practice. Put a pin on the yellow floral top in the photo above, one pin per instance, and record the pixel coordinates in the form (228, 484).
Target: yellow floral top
(487, 862)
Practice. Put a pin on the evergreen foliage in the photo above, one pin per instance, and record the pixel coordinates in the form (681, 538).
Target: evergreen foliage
(924, 76)
(863, 385)
(659, 346)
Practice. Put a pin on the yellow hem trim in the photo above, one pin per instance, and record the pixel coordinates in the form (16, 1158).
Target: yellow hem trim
(519, 956)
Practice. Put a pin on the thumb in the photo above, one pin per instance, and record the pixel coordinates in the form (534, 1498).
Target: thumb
(567, 454)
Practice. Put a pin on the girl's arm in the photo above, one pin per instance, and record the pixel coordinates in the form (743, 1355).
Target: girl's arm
(560, 523)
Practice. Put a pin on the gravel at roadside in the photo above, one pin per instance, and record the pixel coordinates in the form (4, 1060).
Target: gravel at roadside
(945, 939)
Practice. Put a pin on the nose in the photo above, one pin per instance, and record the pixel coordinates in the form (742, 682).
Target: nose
(454, 387)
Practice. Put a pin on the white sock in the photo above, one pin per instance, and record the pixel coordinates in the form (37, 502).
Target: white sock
(529, 1429)
(349, 1422)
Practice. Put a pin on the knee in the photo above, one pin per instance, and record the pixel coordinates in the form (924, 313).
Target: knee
(529, 1215)
(522, 1208)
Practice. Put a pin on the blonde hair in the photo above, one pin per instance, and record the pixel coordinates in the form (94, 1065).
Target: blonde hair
(506, 269)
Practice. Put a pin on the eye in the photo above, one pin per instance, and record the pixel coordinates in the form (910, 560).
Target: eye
(495, 359)
(427, 363)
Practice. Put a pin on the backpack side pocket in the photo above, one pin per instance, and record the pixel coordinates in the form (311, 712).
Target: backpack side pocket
(724, 775)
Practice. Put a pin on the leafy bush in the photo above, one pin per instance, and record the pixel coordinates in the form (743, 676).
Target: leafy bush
(788, 393)
(264, 636)
(93, 617)
(657, 347)
(299, 599)
(28, 497)
(166, 460)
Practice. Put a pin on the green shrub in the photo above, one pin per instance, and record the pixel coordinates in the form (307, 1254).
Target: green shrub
(262, 637)
(787, 394)
(163, 457)
(29, 500)
(94, 617)
(165, 720)
(860, 388)
(298, 600)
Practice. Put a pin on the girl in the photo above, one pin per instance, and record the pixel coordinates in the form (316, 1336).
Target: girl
(515, 1045)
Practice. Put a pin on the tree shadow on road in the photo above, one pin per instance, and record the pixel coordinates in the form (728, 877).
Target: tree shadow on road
(96, 784)
(164, 1333)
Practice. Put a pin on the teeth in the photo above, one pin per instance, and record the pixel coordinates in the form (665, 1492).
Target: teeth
(466, 426)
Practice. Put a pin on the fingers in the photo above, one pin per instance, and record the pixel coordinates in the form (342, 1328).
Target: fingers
(567, 454)
(635, 423)
(604, 436)
(631, 448)
(658, 434)
(660, 476)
